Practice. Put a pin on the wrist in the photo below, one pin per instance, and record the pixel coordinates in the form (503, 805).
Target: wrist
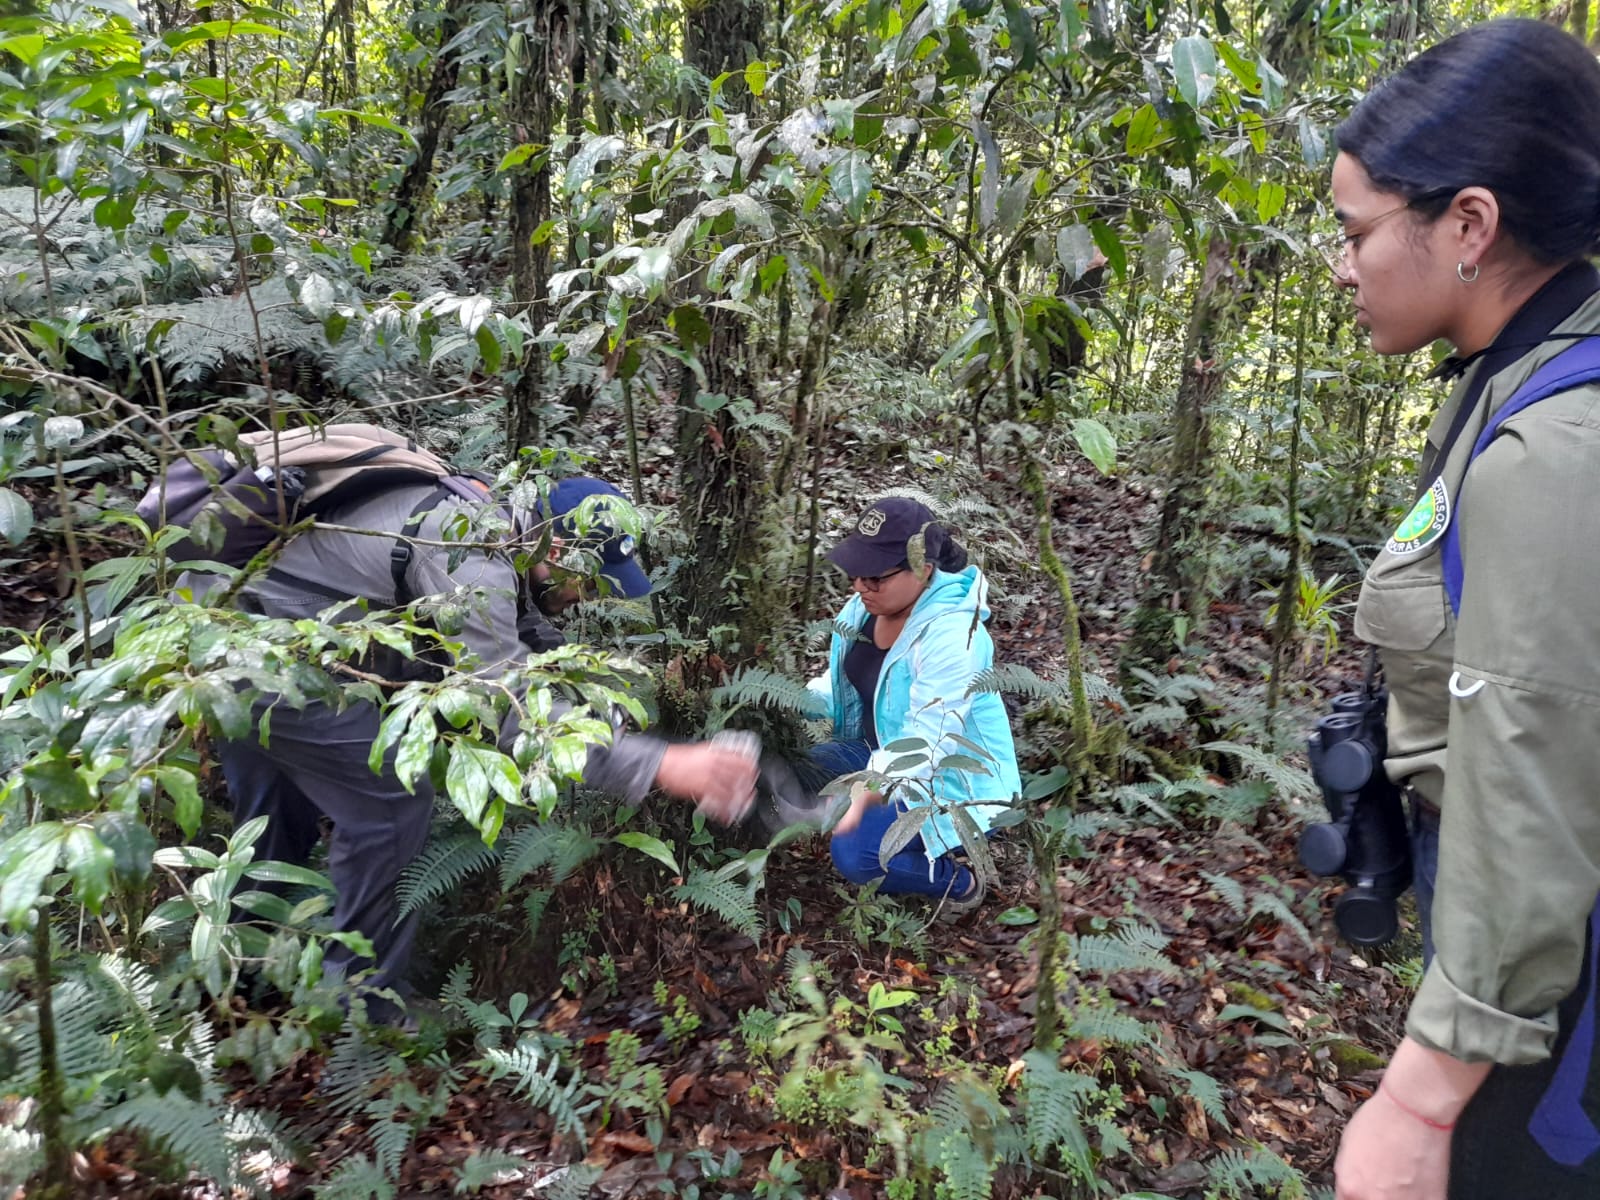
(1431, 1085)
(1395, 1101)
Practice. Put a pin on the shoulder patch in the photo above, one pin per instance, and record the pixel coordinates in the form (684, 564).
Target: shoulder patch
(1425, 523)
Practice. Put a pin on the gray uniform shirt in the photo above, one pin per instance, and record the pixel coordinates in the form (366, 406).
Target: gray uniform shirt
(1495, 717)
(483, 584)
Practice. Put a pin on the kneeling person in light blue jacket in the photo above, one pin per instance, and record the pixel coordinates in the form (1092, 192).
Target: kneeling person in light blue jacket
(917, 642)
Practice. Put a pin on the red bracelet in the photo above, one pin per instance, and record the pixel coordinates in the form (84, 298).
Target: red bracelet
(1441, 1126)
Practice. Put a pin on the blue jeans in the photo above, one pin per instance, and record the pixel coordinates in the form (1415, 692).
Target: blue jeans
(857, 854)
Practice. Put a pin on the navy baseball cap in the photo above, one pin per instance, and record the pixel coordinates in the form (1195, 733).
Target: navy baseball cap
(878, 544)
(617, 548)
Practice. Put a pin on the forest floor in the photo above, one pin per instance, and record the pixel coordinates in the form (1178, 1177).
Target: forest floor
(1283, 1022)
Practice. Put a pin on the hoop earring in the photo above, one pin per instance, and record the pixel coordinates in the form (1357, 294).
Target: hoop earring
(1461, 272)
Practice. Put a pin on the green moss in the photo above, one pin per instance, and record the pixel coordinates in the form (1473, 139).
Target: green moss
(1243, 993)
(1352, 1058)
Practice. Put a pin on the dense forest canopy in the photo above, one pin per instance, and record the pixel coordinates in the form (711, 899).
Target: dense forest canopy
(1053, 269)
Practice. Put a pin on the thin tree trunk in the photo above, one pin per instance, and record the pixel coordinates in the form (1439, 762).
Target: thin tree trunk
(1288, 593)
(400, 228)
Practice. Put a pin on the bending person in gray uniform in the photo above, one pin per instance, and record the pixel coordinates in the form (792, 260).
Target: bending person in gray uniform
(313, 763)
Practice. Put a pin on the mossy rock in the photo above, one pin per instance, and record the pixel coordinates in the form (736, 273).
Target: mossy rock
(1352, 1058)
(1243, 993)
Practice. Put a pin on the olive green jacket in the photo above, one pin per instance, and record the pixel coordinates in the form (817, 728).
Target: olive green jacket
(1495, 717)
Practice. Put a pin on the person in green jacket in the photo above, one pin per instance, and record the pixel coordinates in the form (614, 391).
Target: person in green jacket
(1468, 188)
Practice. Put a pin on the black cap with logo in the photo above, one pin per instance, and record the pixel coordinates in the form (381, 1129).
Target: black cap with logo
(879, 542)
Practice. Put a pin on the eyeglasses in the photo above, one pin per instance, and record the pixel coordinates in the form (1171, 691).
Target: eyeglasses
(1336, 248)
(873, 582)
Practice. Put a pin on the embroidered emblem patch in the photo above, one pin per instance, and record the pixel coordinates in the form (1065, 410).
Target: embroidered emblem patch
(1425, 523)
(872, 521)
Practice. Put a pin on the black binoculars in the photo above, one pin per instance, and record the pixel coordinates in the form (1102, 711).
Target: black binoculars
(1366, 842)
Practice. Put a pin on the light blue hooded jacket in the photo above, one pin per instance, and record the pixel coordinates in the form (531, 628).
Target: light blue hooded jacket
(922, 693)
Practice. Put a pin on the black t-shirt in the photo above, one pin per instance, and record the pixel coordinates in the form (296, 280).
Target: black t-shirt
(863, 663)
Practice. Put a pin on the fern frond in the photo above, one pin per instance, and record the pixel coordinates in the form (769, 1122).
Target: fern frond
(1017, 680)
(1269, 905)
(1206, 1091)
(575, 1182)
(439, 868)
(1230, 892)
(390, 1141)
(1257, 1172)
(522, 1066)
(1290, 781)
(356, 1065)
(561, 848)
(490, 1168)
(191, 1134)
(1129, 948)
(764, 688)
(1055, 1101)
(1109, 1027)
(734, 903)
(357, 1178)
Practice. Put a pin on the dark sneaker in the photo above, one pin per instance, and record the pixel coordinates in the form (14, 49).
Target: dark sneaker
(953, 908)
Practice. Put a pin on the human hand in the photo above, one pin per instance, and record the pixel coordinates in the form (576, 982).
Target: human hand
(720, 781)
(1389, 1154)
(862, 798)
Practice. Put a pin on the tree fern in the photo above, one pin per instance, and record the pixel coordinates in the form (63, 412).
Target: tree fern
(1130, 947)
(535, 1080)
(203, 336)
(357, 1178)
(717, 893)
(441, 867)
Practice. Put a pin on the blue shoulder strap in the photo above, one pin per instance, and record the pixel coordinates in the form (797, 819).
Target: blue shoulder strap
(1567, 370)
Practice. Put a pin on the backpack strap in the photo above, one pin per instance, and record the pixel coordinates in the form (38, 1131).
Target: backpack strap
(466, 487)
(1569, 369)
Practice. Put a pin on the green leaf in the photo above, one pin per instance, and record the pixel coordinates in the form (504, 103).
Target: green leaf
(489, 349)
(1312, 146)
(653, 846)
(316, 293)
(1194, 62)
(474, 774)
(1046, 784)
(184, 789)
(755, 76)
(851, 178)
(132, 845)
(177, 911)
(582, 164)
(1111, 246)
(1270, 198)
(57, 784)
(518, 155)
(282, 872)
(26, 861)
(1020, 915)
(1097, 443)
(16, 516)
(1144, 130)
(89, 861)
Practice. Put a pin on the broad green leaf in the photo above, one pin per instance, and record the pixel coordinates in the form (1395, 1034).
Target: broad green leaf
(653, 846)
(1020, 915)
(177, 911)
(582, 164)
(1312, 146)
(58, 784)
(1097, 443)
(1110, 244)
(1270, 198)
(26, 861)
(1144, 130)
(755, 76)
(282, 872)
(132, 845)
(16, 516)
(489, 349)
(474, 774)
(473, 311)
(184, 789)
(1194, 62)
(906, 745)
(1075, 250)
(89, 862)
(518, 155)
(851, 178)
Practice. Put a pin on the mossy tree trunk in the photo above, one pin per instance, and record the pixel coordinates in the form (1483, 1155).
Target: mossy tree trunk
(400, 226)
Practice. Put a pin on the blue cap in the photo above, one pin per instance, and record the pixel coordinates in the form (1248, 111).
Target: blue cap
(617, 549)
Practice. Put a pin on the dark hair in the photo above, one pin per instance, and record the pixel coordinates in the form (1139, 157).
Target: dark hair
(943, 550)
(1510, 105)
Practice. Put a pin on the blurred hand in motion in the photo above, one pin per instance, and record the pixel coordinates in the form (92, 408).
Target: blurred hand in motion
(721, 782)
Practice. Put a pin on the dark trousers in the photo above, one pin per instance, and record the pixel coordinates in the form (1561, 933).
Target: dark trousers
(314, 765)
(1494, 1154)
(858, 854)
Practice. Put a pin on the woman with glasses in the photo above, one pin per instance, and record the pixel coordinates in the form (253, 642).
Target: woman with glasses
(1468, 187)
(905, 652)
